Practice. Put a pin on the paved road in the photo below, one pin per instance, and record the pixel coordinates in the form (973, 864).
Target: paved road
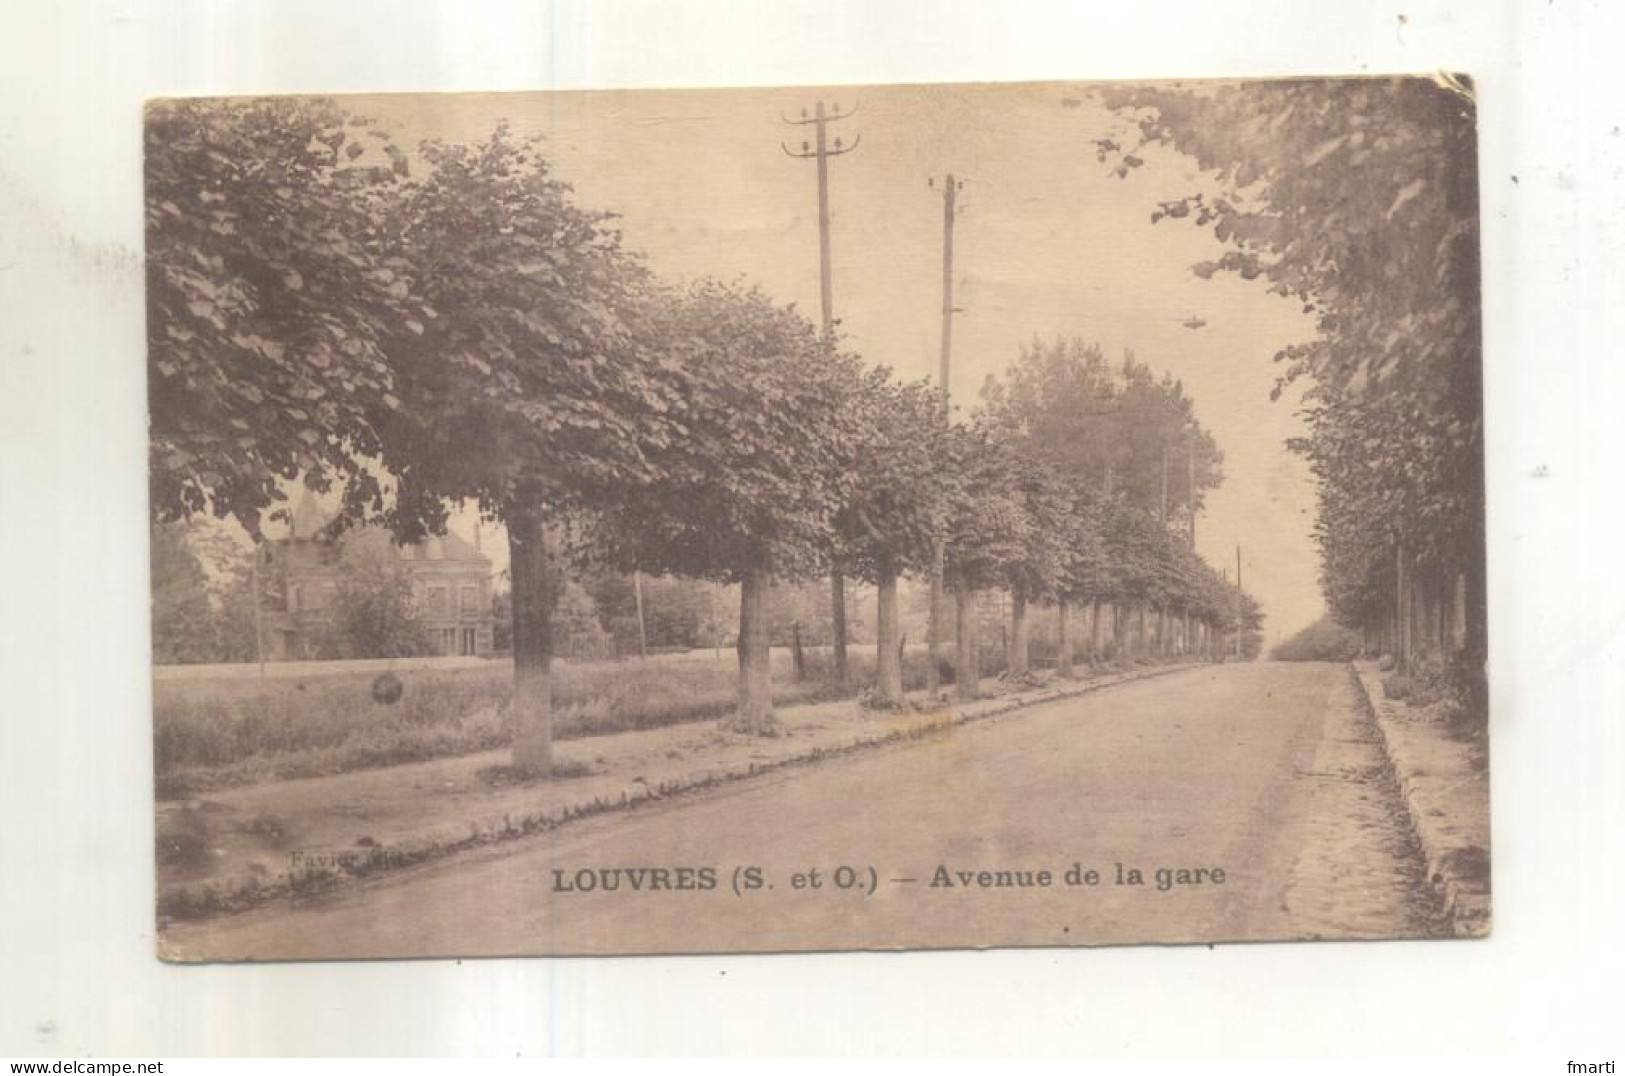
(1269, 773)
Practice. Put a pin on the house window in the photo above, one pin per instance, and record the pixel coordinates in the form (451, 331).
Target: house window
(448, 641)
(469, 649)
(437, 601)
(471, 601)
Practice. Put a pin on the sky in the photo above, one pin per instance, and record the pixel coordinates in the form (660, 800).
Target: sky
(1049, 243)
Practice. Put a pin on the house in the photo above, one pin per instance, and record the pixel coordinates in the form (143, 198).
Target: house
(451, 588)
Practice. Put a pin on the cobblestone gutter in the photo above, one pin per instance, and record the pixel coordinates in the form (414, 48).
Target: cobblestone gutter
(1448, 800)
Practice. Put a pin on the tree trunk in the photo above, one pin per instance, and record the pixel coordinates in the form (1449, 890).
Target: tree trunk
(1018, 662)
(1063, 656)
(888, 645)
(537, 586)
(1458, 614)
(754, 714)
(1401, 612)
(1096, 637)
(837, 612)
(1424, 617)
(967, 671)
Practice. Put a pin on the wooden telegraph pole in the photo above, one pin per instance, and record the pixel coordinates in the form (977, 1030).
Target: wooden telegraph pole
(820, 151)
(950, 188)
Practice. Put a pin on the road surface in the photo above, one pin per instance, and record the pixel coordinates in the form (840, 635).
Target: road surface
(1259, 791)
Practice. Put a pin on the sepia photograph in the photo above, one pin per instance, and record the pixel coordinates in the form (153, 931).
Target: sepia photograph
(876, 517)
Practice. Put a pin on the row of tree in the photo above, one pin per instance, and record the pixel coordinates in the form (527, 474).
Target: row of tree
(448, 326)
(1359, 199)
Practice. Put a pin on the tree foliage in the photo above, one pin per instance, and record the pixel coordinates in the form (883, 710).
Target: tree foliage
(1324, 640)
(1110, 463)
(182, 618)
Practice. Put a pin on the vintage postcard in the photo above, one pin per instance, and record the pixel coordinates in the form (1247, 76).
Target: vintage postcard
(840, 518)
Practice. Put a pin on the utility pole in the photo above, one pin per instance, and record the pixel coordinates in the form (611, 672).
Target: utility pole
(637, 597)
(950, 188)
(820, 151)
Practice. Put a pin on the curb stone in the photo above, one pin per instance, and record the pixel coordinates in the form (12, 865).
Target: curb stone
(229, 896)
(1466, 900)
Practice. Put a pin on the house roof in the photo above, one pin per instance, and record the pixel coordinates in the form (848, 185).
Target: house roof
(309, 520)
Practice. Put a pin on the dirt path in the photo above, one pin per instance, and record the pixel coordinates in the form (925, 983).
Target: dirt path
(1263, 772)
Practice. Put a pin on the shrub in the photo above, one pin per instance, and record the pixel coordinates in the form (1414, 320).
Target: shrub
(216, 733)
(1324, 640)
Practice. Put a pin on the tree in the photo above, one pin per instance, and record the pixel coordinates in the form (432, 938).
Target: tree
(1085, 575)
(1034, 572)
(987, 530)
(526, 389)
(1324, 640)
(677, 612)
(1137, 547)
(751, 489)
(267, 305)
(895, 505)
(182, 619)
